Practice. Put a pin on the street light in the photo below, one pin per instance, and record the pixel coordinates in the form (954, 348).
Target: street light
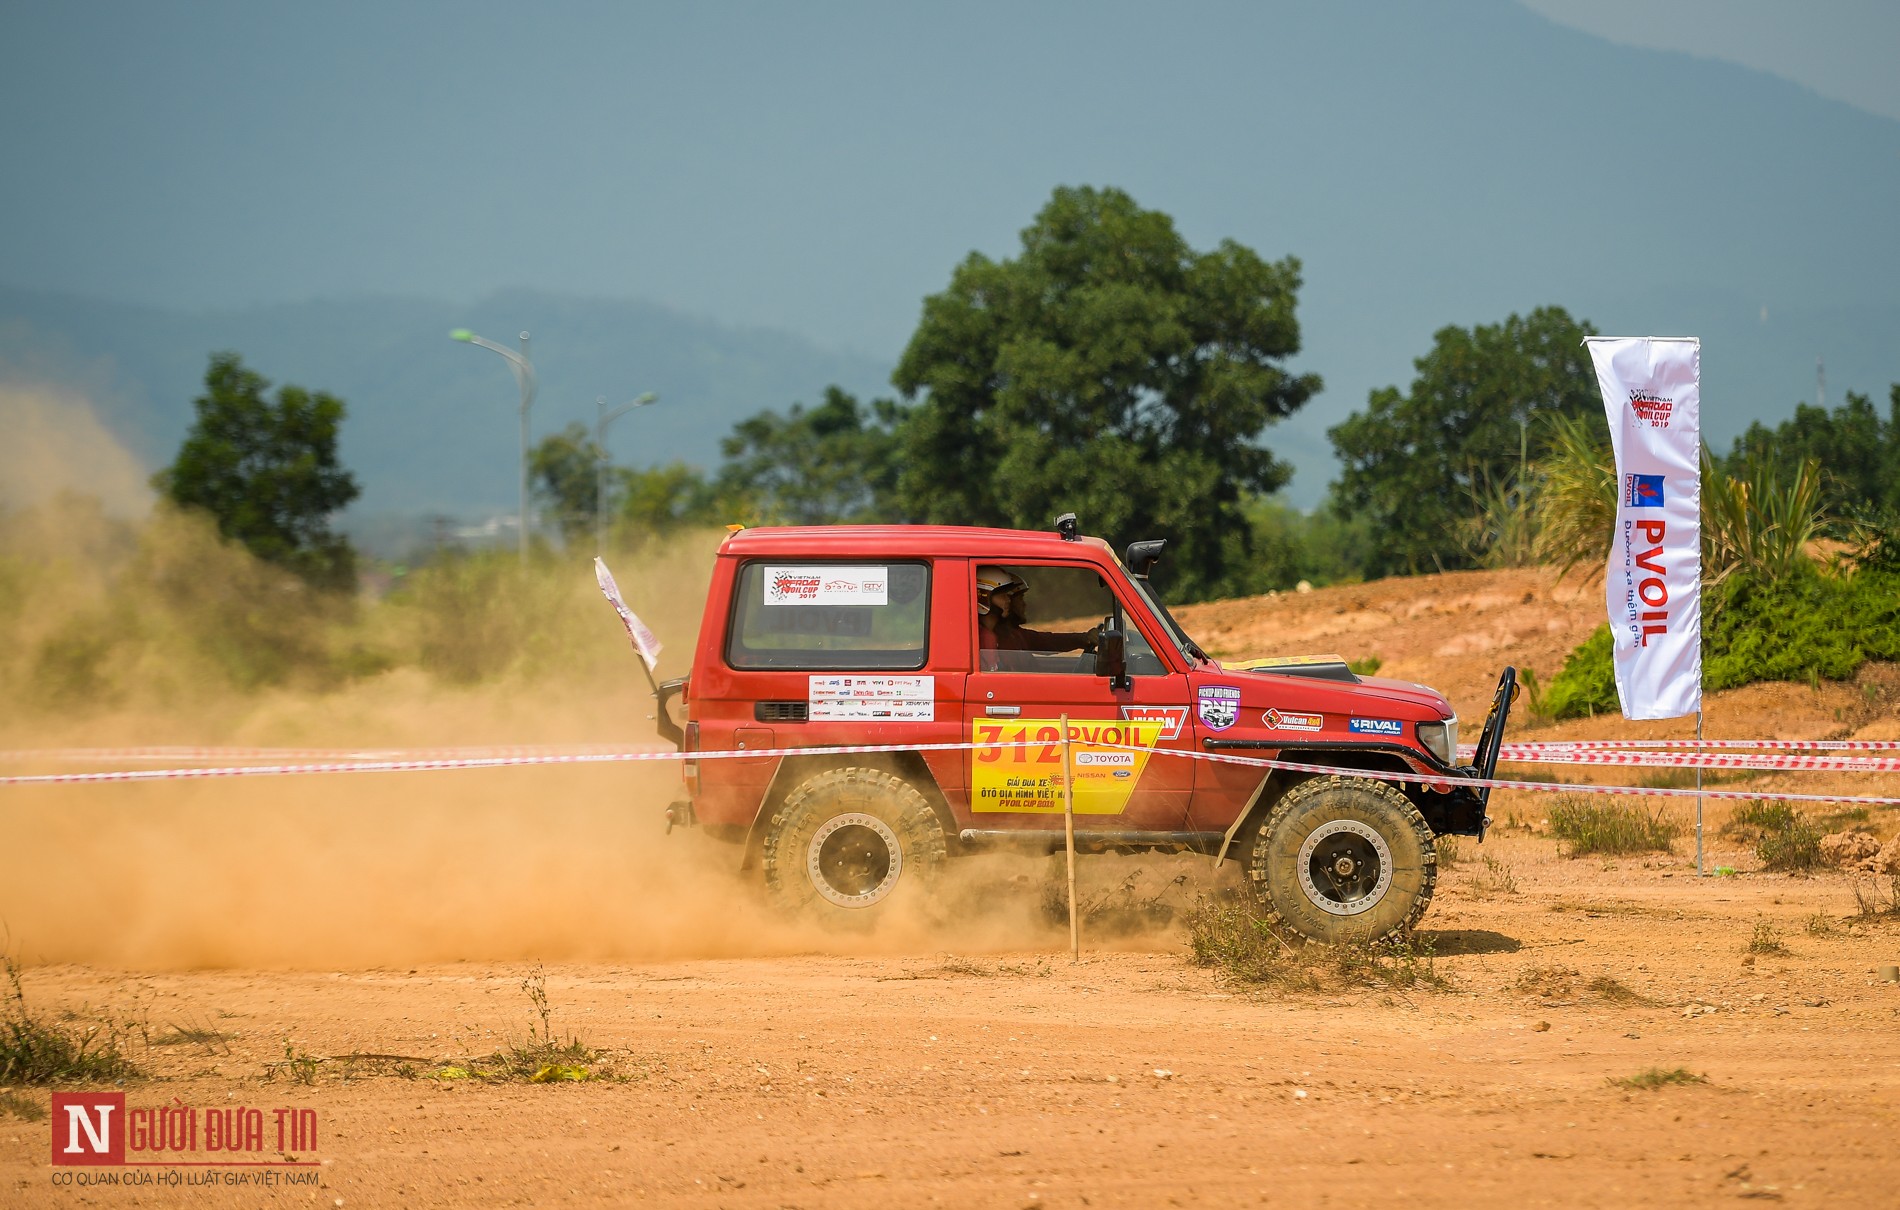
(603, 418)
(524, 378)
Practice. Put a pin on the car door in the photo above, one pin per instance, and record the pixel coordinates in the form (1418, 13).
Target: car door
(1014, 700)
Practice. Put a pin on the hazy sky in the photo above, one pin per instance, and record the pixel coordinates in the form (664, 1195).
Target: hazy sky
(820, 167)
(1848, 50)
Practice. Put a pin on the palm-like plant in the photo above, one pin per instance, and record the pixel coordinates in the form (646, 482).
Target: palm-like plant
(1757, 524)
(1576, 501)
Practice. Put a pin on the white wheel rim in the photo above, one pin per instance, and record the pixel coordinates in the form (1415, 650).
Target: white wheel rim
(827, 868)
(1357, 837)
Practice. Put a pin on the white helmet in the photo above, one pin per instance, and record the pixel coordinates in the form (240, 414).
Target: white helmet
(993, 579)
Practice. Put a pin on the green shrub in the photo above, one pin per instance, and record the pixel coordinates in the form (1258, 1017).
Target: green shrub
(1587, 684)
(1800, 627)
(1803, 627)
(1793, 847)
(1613, 828)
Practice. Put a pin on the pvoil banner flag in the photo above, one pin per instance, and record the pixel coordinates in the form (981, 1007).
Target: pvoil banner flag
(644, 640)
(1652, 393)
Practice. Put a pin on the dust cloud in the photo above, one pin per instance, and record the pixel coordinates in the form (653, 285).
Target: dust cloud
(133, 626)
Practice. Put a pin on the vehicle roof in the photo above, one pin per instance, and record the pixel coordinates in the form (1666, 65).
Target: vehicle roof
(885, 541)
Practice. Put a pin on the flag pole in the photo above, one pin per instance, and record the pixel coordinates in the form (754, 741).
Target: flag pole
(1699, 871)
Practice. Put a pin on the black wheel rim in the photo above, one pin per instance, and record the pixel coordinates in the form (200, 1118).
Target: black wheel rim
(1345, 867)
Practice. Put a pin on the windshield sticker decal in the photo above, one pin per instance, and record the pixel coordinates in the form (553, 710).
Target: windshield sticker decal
(902, 699)
(1171, 718)
(1391, 727)
(1286, 720)
(827, 585)
(1219, 706)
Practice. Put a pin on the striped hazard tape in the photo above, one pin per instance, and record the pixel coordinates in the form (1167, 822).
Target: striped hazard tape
(412, 764)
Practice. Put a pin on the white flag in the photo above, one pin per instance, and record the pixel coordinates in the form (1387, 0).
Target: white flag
(1652, 393)
(644, 641)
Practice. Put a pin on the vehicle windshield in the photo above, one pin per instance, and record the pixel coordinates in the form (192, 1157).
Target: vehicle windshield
(1185, 645)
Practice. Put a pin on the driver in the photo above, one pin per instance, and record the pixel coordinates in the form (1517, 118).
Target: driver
(1000, 612)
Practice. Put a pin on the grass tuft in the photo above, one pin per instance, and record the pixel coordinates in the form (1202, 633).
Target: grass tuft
(1656, 1078)
(542, 1058)
(1615, 829)
(1789, 842)
(1766, 939)
(1875, 903)
(1494, 880)
(1230, 937)
(34, 1050)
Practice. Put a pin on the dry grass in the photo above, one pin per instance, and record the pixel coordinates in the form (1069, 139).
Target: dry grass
(1657, 1078)
(1614, 829)
(1766, 939)
(1231, 938)
(35, 1050)
(1493, 880)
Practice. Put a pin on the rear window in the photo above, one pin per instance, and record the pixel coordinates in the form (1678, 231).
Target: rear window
(830, 616)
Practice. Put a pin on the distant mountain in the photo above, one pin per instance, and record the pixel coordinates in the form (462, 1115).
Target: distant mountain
(432, 424)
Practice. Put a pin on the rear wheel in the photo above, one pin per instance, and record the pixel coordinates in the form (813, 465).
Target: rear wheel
(848, 842)
(1344, 859)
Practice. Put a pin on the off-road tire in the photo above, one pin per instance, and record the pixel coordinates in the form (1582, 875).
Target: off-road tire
(1368, 860)
(847, 842)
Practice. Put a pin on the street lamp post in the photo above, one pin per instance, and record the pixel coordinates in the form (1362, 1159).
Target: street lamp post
(603, 418)
(523, 367)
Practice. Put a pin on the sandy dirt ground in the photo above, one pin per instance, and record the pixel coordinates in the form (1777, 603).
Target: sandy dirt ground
(758, 1063)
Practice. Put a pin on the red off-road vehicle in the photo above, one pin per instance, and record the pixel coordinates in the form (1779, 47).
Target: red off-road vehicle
(850, 636)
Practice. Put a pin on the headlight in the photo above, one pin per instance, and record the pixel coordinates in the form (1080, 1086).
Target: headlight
(1441, 739)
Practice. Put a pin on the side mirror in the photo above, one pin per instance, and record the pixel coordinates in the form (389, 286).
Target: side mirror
(1111, 657)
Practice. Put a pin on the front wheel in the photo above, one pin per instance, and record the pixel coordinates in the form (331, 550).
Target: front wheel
(1344, 859)
(846, 842)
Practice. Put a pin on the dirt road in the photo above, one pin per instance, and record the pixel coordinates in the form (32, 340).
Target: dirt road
(1131, 1079)
(292, 925)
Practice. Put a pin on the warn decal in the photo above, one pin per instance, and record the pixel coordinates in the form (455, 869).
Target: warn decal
(1171, 718)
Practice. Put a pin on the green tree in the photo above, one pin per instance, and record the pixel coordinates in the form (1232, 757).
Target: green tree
(561, 469)
(1109, 370)
(268, 472)
(833, 463)
(1859, 453)
(661, 499)
(1420, 466)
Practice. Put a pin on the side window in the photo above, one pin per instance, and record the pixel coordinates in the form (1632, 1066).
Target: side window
(837, 617)
(1042, 618)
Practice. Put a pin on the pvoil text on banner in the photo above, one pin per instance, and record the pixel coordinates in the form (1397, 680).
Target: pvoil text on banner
(1652, 586)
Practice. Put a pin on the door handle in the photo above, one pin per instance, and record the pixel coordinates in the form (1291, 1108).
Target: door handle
(1003, 711)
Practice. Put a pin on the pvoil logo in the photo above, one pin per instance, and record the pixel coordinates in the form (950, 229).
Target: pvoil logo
(1642, 491)
(89, 1128)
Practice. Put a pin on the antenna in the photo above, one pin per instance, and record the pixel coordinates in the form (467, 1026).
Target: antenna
(1820, 384)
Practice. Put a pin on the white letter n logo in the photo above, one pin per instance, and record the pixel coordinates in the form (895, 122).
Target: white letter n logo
(78, 1119)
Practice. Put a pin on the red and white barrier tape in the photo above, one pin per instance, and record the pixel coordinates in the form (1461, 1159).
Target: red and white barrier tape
(467, 752)
(579, 758)
(1797, 745)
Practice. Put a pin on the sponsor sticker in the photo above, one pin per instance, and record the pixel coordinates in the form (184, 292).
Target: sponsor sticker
(1642, 491)
(1286, 720)
(903, 699)
(827, 584)
(1390, 727)
(1171, 718)
(1219, 706)
(1017, 763)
